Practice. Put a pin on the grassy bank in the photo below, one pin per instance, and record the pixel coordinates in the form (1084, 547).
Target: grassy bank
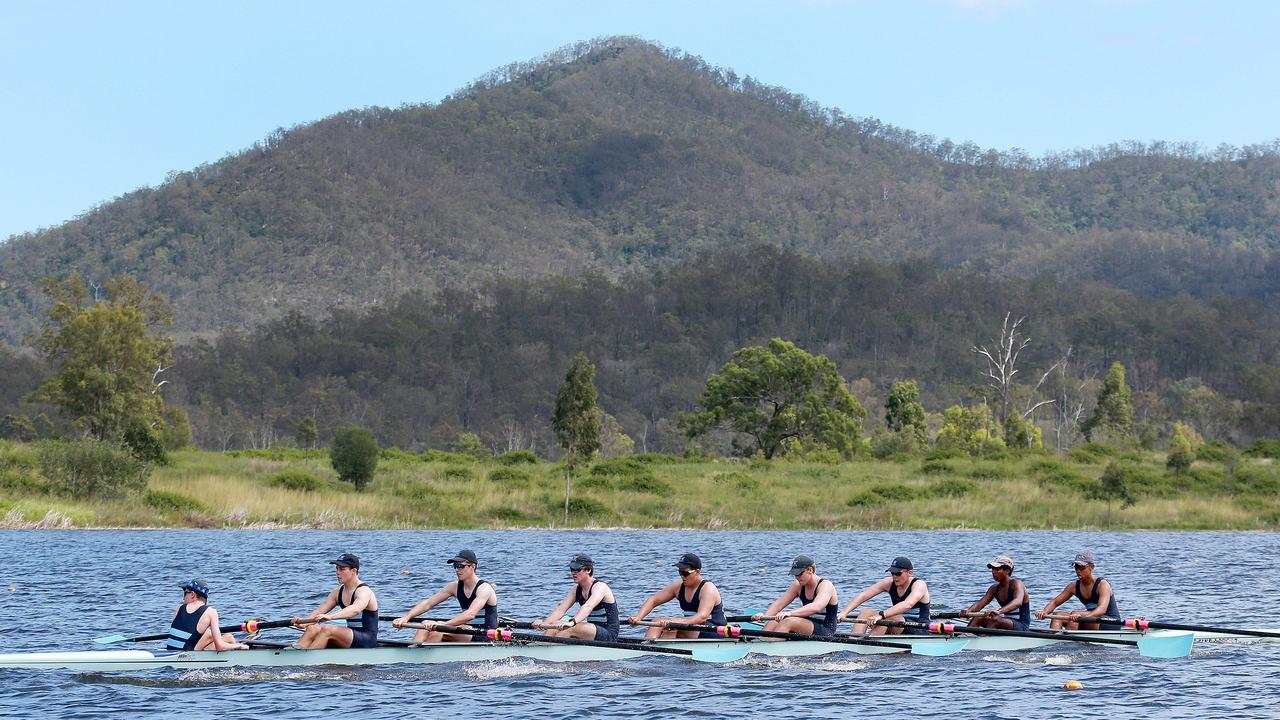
(291, 488)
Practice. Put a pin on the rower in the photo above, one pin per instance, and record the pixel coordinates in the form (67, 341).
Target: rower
(699, 599)
(354, 602)
(906, 593)
(818, 603)
(597, 615)
(1093, 592)
(1011, 597)
(477, 602)
(195, 622)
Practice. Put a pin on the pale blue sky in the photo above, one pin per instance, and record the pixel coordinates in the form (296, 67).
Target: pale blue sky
(103, 97)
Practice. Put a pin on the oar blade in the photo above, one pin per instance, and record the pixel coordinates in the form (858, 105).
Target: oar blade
(939, 649)
(1171, 645)
(110, 639)
(721, 655)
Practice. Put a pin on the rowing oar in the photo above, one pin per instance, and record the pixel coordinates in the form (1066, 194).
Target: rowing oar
(1161, 646)
(732, 631)
(712, 655)
(1140, 624)
(248, 626)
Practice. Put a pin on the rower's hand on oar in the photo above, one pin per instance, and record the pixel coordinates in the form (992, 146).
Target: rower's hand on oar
(634, 620)
(400, 621)
(782, 615)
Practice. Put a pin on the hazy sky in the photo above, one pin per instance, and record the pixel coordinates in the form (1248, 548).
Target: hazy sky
(100, 98)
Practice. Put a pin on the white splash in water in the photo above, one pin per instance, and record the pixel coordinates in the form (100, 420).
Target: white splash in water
(507, 669)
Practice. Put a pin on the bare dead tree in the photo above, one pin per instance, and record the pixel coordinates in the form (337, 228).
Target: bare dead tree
(1071, 399)
(1002, 367)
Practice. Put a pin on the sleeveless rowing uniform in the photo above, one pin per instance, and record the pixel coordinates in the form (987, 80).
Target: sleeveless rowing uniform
(182, 633)
(827, 626)
(487, 621)
(1021, 617)
(921, 608)
(604, 615)
(364, 627)
(1091, 603)
(690, 607)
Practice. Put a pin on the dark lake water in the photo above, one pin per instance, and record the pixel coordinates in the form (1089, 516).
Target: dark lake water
(61, 589)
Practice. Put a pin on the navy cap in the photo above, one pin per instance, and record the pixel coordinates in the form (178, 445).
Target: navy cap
(351, 561)
(463, 556)
(581, 560)
(689, 561)
(801, 563)
(196, 586)
(900, 564)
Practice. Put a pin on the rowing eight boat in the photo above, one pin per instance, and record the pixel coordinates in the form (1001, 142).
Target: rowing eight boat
(432, 653)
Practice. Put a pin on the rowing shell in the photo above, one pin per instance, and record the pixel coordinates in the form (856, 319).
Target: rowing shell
(433, 653)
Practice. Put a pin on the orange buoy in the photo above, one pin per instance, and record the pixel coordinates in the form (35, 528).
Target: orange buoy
(1073, 685)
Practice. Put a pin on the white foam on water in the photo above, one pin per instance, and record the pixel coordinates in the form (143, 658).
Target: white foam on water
(1058, 660)
(803, 663)
(503, 669)
(1028, 660)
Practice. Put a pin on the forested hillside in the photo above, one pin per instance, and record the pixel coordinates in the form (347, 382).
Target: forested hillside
(615, 155)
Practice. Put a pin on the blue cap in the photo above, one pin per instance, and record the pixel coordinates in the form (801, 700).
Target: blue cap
(348, 560)
(198, 587)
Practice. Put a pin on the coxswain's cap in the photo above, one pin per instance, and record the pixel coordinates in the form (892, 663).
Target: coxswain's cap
(1003, 561)
(463, 557)
(900, 564)
(800, 564)
(196, 586)
(689, 561)
(347, 559)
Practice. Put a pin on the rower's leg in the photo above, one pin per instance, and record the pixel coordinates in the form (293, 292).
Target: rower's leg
(860, 624)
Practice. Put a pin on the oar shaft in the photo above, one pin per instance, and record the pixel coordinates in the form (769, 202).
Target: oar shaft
(507, 635)
(948, 629)
(1139, 624)
(747, 632)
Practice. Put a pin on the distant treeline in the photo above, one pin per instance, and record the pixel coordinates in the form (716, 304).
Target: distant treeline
(426, 367)
(614, 155)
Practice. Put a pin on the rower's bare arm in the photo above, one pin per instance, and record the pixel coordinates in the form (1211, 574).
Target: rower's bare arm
(329, 603)
(421, 607)
(1019, 597)
(553, 618)
(707, 603)
(1104, 600)
(1057, 600)
(913, 598)
(665, 595)
(473, 610)
(986, 600)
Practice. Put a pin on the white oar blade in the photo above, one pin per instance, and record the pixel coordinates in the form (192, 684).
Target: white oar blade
(937, 649)
(721, 655)
(1172, 645)
(109, 639)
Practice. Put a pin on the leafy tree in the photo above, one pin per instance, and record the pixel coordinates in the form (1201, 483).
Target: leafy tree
(144, 442)
(577, 419)
(175, 430)
(613, 441)
(780, 394)
(904, 412)
(86, 469)
(1114, 484)
(306, 434)
(1112, 417)
(468, 443)
(970, 430)
(1182, 448)
(1021, 432)
(108, 354)
(354, 455)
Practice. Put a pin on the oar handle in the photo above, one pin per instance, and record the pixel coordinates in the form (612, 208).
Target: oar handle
(1107, 619)
(747, 618)
(1143, 624)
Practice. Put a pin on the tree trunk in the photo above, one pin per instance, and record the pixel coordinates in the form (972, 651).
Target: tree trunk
(567, 475)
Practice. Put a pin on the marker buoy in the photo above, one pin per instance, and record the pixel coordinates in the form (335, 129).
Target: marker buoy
(1072, 685)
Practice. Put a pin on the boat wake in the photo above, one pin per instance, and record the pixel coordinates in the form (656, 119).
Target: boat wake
(1028, 660)
(804, 663)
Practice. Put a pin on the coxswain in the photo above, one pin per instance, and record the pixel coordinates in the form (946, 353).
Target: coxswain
(352, 601)
(195, 622)
(1093, 592)
(819, 604)
(477, 604)
(1013, 602)
(699, 600)
(597, 614)
(906, 593)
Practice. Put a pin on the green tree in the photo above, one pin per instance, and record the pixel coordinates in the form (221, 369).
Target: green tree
(1114, 485)
(904, 412)
(577, 419)
(780, 395)
(1112, 418)
(175, 431)
(108, 354)
(1182, 448)
(469, 443)
(969, 430)
(354, 455)
(306, 434)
